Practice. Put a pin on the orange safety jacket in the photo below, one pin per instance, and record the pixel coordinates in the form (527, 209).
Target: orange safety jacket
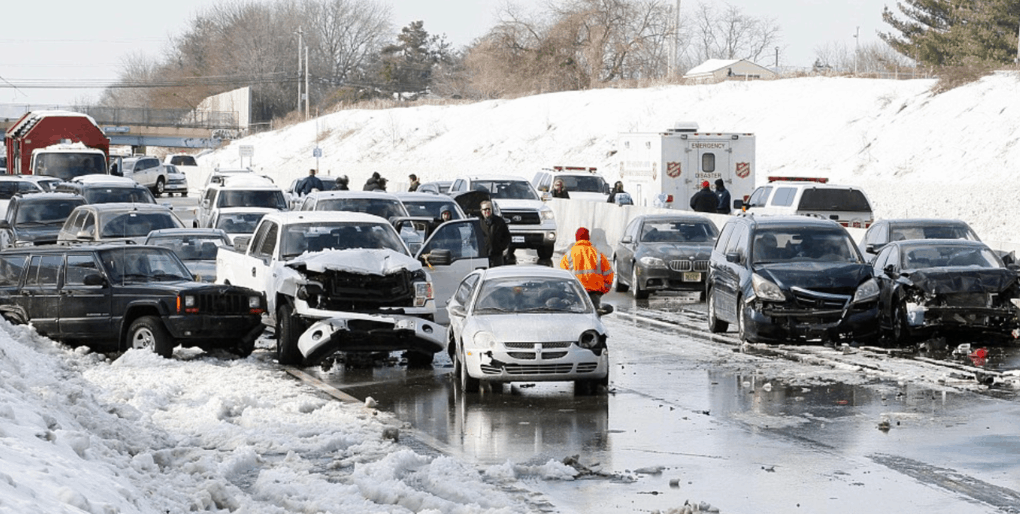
(589, 266)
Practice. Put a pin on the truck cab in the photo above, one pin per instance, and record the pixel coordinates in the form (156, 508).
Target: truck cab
(68, 160)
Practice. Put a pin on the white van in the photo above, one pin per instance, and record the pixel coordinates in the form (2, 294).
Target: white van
(809, 196)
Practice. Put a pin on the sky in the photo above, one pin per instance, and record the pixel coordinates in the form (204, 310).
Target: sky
(81, 45)
(199, 433)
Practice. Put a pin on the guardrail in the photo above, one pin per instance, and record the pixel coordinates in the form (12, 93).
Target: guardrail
(181, 118)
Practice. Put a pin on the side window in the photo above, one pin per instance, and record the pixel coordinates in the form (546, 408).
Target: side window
(543, 185)
(44, 270)
(784, 196)
(881, 260)
(11, 268)
(80, 266)
(708, 162)
(458, 185)
(268, 242)
(465, 288)
(462, 239)
(879, 235)
(88, 222)
(720, 243)
(209, 195)
(631, 229)
(760, 196)
(733, 244)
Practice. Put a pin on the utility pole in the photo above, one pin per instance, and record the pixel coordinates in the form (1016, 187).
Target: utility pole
(674, 45)
(857, 41)
(1017, 46)
(306, 83)
(299, 43)
(777, 59)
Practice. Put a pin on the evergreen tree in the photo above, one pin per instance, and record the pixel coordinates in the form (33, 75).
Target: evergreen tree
(407, 65)
(955, 32)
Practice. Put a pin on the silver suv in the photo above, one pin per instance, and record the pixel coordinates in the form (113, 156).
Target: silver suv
(531, 222)
(147, 171)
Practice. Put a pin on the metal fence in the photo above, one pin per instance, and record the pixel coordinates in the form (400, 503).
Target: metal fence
(184, 118)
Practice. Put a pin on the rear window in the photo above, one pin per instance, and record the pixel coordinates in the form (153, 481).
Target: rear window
(183, 160)
(834, 200)
(252, 198)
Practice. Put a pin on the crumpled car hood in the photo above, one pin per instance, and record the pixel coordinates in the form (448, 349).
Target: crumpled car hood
(962, 280)
(819, 276)
(365, 261)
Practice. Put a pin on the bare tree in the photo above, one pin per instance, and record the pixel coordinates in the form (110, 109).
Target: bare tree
(731, 34)
(348, 33)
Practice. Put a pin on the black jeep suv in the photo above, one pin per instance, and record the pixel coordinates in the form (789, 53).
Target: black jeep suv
(119, 296)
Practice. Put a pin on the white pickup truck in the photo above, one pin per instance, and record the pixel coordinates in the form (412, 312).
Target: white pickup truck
(345, 281)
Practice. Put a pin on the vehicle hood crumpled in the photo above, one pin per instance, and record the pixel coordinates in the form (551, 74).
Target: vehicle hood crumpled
(962, 280)
(365, 261)
(817, 276)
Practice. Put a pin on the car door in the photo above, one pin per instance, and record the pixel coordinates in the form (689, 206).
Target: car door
(42, 295)
(84, 307)
(464, 240)
(623, 261)
(887, 257)
(12, 271)
(460, 303)
(205, 208)
(728, 272)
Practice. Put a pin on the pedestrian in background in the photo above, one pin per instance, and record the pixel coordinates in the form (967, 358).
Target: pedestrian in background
(308, 184)
(559, 191)
(617, 188)
(374, 183)
(497, 235)
(341, 183)
(724, 197)
(414, 183)
(590, 266)
(705, 200)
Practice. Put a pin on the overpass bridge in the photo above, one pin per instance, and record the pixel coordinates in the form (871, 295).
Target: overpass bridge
(140, 127)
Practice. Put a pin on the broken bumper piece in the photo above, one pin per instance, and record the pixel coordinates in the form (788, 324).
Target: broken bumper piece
(370, 333)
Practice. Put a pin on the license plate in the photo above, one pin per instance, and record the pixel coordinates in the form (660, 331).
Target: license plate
(692, 276)
(516, 239)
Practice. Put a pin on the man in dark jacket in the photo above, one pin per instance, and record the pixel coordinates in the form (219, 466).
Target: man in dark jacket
(308, 184)
(497, 235)
(559, 190)
(705, 200)
(724, 197)
(374, 183)
(341, 183)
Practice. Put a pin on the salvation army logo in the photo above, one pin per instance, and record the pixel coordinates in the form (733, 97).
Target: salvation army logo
(673, 169)
(743, 169)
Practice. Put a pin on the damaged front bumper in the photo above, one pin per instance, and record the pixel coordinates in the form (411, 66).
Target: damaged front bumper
(988, 321)
(354, 332)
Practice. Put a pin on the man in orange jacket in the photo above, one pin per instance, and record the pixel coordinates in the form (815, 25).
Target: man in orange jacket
(589, 266)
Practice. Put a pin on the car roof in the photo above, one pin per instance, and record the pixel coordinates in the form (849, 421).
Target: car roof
(424, 197)
(84, 245)
(48, 195)
(496, 176)
(247, 182)
(911, 243)
(105, 180)
(924, 222)
(768, 220)
(354, 194)
(678, 216)
(231, 210)
(15, 178)
(126, 207)
(169, 232)
(526, 271)
(286, 217)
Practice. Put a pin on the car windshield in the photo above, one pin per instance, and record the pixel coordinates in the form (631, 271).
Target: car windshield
(672, 231)
(239, 222)
(901, 233)
(527, 294)
(583, 183)
(315, 237)
(137, 224)
(190, 248)
(272, 199)
(508, 189)
(822, 199)
(143, 264)
(431, 209)
(118, 195)
(921, 257)
(377, 206)
(797, 244)
(9, 188)
(50, 212)
(67, 165)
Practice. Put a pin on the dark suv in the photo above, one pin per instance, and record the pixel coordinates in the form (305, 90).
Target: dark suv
(790, 279)
(117, 296)
(36, 219)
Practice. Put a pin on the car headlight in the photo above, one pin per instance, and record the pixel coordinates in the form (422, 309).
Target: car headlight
(189, 301)
(766, 290)
(547, 214)
(484, 340)
(866, 292)
(422, 293)
(588, 340)
(652, 262)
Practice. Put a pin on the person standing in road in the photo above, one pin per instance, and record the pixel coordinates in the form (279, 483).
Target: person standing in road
(414, 183)
(497, 235)
(559, 191)
(341, 183)
(724, 197)
(590, 266)
(617, 188)
(374, 183)
(308, 184)
(705, 200)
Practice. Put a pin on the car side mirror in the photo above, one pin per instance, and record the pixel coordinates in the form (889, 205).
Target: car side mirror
(733, 257)
(5, 224)
(874, 247)
(438, 257)
(546, 196)
(738, 204)
(627, 240)
(94, 279)
(604, 309)
(889, 270)
(457, 310)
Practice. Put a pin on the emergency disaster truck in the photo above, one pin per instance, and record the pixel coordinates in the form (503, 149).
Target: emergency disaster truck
(664, 169)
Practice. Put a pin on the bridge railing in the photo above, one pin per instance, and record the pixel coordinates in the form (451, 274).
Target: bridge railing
(184, 118)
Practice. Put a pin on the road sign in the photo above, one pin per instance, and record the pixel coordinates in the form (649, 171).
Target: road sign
(317, 152)
(247, 150)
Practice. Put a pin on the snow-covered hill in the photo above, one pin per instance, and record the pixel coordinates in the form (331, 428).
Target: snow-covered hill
(915, 154)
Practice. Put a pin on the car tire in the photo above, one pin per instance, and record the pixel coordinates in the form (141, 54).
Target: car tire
(620, 286)
(639, 294)
(466, 382)
(288, 330)
(741, 321)
(546, 252)
(149, 332)
(419, 360)
(900, 329)
(715, 325)
(160, 187)
(243, 349)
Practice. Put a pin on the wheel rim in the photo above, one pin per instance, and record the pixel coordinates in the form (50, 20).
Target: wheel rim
(898, 323)
(160, 187)
(143, 338)
(741, 321)
(634, 281)
(463, 373)
(711, 308)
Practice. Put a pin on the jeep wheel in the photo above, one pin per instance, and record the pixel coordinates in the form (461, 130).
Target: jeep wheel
(160, 187)
(149, 332)
(288, 330)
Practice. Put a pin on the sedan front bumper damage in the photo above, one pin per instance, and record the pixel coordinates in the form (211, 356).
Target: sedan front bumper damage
(354, 332)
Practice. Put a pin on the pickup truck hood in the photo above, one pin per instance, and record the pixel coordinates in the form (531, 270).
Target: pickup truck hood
(369, 262)
(507, 204)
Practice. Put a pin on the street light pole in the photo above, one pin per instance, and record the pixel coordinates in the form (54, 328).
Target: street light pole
(299, 43)
(857, 42)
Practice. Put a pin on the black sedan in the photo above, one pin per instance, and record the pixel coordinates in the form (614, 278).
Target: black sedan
(660, 252)
(941, 286)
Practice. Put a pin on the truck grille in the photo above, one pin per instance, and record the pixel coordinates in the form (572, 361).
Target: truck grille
(522, 217)
(358, 292)
(221, 302)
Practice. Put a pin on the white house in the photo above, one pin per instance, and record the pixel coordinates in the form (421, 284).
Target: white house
(716, 70)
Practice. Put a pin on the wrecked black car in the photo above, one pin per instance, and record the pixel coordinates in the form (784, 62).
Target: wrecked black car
(938, 287)
(790, 279)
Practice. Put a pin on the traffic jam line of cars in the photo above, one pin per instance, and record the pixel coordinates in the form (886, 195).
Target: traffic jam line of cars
(369, 272)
